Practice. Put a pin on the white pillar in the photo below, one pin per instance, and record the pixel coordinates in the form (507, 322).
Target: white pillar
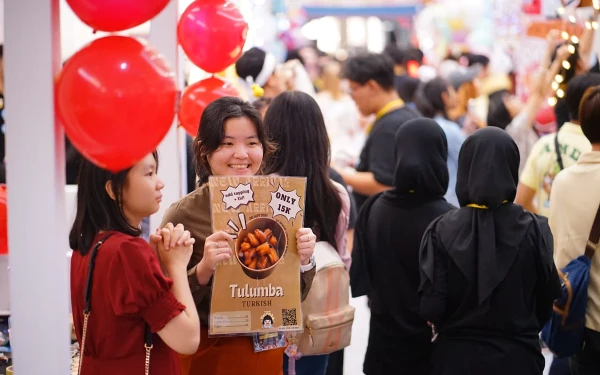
(37, 232)
(163, 36)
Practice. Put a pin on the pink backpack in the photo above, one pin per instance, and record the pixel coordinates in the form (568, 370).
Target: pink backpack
(327, 313)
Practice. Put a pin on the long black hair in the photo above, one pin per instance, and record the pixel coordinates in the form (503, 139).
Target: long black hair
(212, 131)
(295, 123)
(498, 115)
(429, 98)
(96, 210)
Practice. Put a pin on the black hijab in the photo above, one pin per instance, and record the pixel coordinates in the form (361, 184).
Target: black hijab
(483, 238)
(421, 151)
(421, 154)
(488, 169)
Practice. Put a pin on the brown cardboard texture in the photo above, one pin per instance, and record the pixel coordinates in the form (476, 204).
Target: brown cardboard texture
(258, 289)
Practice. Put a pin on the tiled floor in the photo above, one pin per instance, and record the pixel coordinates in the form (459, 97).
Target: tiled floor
(355, 354)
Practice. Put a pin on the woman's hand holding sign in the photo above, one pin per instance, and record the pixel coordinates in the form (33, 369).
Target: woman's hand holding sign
(306, 244)
(216, 250)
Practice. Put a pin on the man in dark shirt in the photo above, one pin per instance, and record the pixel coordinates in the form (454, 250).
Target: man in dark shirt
(371, 79)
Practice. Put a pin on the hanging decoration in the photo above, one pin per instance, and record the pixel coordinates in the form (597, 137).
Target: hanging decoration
(116, 99)
(572, 41)
(197, 97)
(116, 15)
(592, 23)
(212, 34)
(454, 26)
(532, 6)
(508, 22)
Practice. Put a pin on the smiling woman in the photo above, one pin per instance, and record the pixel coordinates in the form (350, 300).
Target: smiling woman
(240, 153)
(231, 141)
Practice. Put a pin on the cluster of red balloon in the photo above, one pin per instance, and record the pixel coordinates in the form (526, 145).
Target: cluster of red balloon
(116, 97)
(212, 34)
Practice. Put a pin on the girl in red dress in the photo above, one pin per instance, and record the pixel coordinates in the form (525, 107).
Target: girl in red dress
(131, 302)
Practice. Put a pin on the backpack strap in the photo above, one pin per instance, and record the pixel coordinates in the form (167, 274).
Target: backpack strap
(558, 155)
(592, 242)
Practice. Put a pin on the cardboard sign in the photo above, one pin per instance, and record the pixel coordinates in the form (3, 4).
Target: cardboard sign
(258, 289)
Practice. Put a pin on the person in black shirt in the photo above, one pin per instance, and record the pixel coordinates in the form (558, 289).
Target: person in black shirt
(372, 86)
(488, 277)
(385, 259)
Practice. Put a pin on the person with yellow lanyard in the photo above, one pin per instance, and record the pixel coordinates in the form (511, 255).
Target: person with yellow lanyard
(371, 79)
(488, 277)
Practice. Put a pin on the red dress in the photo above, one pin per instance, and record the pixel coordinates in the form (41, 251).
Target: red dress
(128, 290)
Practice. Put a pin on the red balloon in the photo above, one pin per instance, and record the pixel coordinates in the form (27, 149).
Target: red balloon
(116, 15)
(3, 221)
(212, 34)
(116, 99)
(199, 95)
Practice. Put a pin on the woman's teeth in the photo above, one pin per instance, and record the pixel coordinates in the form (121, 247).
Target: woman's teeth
(239, 166)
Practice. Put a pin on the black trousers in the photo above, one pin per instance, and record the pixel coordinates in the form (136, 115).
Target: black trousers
(560, 366)
(587, 362)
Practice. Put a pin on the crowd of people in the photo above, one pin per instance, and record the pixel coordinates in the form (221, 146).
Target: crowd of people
(435, 191)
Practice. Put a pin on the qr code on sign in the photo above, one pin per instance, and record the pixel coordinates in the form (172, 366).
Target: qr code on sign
(289, 317)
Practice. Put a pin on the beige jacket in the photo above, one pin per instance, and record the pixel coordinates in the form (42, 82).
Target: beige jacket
(574, 201)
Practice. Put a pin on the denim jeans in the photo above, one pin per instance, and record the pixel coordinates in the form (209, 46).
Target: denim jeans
(587, 362)
(310, 365)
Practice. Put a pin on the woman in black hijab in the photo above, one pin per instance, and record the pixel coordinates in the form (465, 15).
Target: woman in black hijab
(386, 250)
(487, 274)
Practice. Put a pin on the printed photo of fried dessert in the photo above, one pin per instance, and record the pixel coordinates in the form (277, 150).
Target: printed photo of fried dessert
(260, 247)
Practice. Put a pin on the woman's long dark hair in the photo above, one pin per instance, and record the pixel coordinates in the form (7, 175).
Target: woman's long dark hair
(498, 115)
(212, 131)
(96, 210)
(295, 123)
(429, 99)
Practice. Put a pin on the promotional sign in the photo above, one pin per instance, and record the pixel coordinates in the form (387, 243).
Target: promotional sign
(258, 289)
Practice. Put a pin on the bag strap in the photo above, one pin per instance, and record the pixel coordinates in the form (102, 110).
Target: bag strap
(87, 297)
(592, 243)
(148, 345)
(87, 309)
(558, 155)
